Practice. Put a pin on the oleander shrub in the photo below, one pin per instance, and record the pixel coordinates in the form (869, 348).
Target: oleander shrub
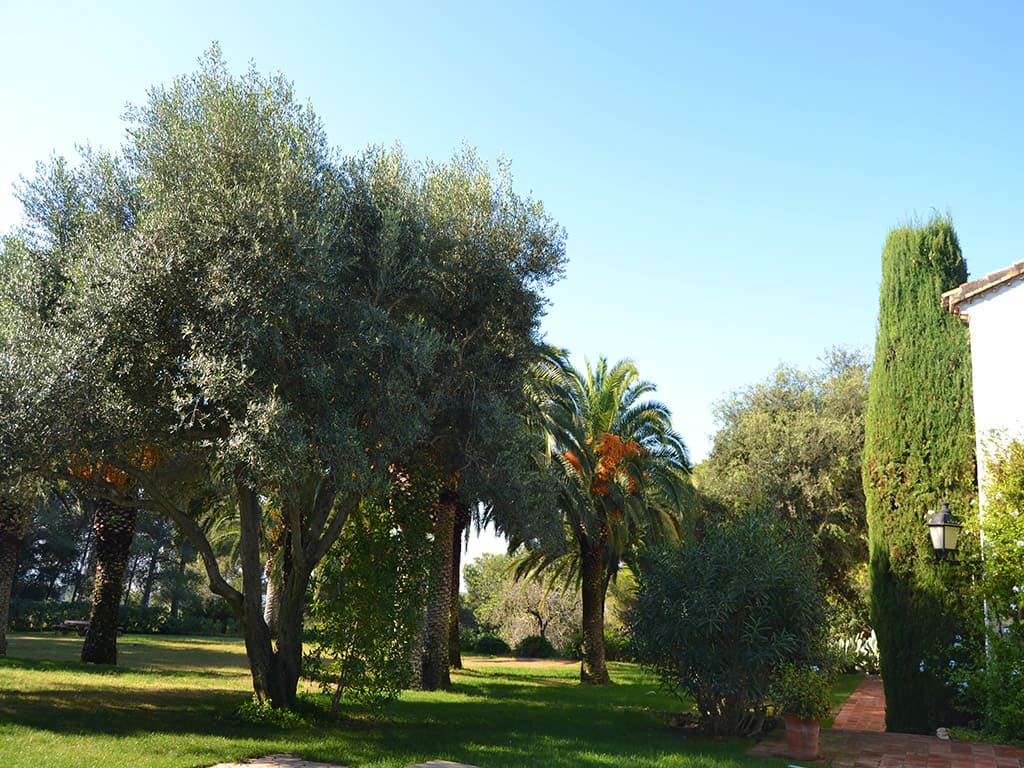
(716, 617)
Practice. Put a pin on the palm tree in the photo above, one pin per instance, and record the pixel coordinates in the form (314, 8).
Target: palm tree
(623, 476)
(15, 516)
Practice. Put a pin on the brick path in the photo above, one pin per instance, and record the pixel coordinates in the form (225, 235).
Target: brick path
(858, 740)
(865, 709)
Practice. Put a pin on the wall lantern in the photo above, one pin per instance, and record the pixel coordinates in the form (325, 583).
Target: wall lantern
(945, 530)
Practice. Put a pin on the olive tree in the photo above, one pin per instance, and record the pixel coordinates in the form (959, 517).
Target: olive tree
(242, 323)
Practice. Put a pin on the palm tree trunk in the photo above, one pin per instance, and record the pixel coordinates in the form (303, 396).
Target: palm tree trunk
(114, 528)
(8, 561)
(14, 521)
(454, 645)
(593, 668)
(430, 670)
(272, 602)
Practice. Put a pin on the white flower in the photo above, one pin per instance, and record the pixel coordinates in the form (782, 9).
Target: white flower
(920, 667)
(952, 663)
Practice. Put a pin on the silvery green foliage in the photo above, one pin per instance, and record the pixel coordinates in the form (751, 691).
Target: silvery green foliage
(274, 325)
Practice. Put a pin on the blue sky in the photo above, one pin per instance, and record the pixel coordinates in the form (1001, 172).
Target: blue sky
(727, 172)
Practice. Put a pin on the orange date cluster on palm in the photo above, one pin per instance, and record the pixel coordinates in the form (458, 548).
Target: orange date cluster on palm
(84, 468)
(610, 453)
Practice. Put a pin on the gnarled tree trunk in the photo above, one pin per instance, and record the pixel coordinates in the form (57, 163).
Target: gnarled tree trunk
(114, 528)
(275, 673)
(276, 662)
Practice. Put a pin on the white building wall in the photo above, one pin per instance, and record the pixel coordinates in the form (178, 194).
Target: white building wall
(997, 358)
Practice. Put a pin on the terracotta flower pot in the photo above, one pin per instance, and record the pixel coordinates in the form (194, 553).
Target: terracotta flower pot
(801, 737)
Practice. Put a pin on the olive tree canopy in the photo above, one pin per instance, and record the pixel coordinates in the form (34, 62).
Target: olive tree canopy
(236, 312)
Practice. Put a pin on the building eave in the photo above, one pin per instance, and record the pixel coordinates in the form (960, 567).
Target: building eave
(960, 298)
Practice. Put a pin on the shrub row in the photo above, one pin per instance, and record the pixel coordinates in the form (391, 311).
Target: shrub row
(617, 646)
(42, 615)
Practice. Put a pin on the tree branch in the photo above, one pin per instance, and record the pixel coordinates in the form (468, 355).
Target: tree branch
(342, 509)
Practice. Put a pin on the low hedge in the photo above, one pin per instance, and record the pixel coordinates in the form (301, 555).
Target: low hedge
(42, 615)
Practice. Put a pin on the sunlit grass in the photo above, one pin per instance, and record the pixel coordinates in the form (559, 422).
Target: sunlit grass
(172, 702)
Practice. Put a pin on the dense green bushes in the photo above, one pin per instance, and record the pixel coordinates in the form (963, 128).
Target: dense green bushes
(360, 644)
(41, 615)
(37, 615)
(716, 617)
(991, 688)
(490, 645)
(535, 647)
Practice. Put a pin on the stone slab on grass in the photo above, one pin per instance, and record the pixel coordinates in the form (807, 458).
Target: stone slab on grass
(291, 761)
(277, 761)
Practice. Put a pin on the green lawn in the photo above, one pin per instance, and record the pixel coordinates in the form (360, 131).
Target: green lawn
(171, 702)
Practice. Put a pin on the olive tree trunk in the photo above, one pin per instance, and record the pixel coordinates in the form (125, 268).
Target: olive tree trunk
(275, 666)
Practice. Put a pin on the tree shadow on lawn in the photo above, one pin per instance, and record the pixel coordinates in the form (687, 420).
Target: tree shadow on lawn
(125, 711)
(507, 733)
(495, 724)
(528, 679)
(101, 670)
(497, 734)
(169, 654)
(488, 722)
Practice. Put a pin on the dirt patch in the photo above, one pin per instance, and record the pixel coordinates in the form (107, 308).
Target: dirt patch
(512, 661)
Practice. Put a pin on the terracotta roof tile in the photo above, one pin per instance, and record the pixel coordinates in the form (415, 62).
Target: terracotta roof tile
(955, 299)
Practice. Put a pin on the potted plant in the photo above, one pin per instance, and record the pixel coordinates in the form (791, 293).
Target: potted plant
(801, 693)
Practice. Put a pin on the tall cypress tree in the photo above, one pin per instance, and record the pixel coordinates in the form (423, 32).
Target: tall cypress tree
(919, 451)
